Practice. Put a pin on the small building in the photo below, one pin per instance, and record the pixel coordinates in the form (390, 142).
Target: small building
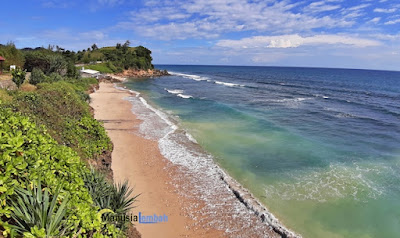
(1, 64)
(89, 73)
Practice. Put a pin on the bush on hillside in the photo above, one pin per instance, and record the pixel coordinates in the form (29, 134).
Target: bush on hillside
(62, 108)
(37, 76)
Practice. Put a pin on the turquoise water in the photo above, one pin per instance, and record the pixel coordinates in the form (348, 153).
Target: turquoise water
(319, 147)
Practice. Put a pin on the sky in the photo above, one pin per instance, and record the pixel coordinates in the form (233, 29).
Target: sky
(312, 33)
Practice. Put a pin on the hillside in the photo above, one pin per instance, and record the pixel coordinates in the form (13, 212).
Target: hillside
(118, 58)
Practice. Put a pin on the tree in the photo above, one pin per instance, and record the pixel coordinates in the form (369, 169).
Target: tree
(12, 54)
(18, 76)
(127, 43)
(125, 46)
(37, 59)
(57, 65)
(94, 47)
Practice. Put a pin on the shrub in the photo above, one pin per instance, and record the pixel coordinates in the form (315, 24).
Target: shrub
(87, 135)
(38, 213)
(121, 200)
(98, 187)
(18, 76)
(28, 154)
(72, 71)
(112, 67)
(37, 76)
(54, 77)
(116, 197)
(61, 107)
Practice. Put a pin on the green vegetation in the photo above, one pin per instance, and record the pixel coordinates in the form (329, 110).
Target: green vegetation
(47, 137)
(28, 154)
(55, 59)
(36, 212)
(18, 76)
(116, 198)
(29, 124)
(61, 107)
(37, 76)
(103, 67)
(117, 58)
(12, 55)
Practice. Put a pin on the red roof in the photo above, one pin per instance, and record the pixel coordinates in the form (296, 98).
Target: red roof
(2, 59)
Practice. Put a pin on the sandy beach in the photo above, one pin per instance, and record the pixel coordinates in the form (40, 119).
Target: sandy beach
(139, 161)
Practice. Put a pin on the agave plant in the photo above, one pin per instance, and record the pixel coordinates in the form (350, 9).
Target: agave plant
(121, 199)
(36, 211)
(116, 197)
(98, 187)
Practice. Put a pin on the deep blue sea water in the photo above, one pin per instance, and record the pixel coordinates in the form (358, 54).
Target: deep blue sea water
(319, 147)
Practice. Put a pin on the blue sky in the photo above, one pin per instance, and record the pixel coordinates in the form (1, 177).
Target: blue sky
(331, 33)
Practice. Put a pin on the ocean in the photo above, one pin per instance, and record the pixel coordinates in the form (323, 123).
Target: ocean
(320, 148)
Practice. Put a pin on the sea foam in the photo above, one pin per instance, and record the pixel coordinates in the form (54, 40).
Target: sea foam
(201, 78)
(201, 179)
(178, 93)
(229, 84)
(190, 76)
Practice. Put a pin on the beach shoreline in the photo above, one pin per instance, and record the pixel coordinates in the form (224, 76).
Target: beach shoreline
(138, 160)
(155, 177)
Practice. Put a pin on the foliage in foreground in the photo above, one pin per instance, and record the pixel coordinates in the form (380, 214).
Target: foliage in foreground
(29, 153)
(38, 213)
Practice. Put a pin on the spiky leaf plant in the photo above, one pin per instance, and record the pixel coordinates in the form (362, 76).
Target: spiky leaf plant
(116, 197)
(37, 212)
(121, 199)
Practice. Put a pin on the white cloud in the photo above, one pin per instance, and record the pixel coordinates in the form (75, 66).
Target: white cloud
(182, 19)
(387, 37)
(321, 6)
(392, 22)
(383, 10)
(293, 41)
(375, 20)
(358, 7)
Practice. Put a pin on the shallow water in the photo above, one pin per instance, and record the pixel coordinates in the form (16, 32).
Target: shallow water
(319, 147)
